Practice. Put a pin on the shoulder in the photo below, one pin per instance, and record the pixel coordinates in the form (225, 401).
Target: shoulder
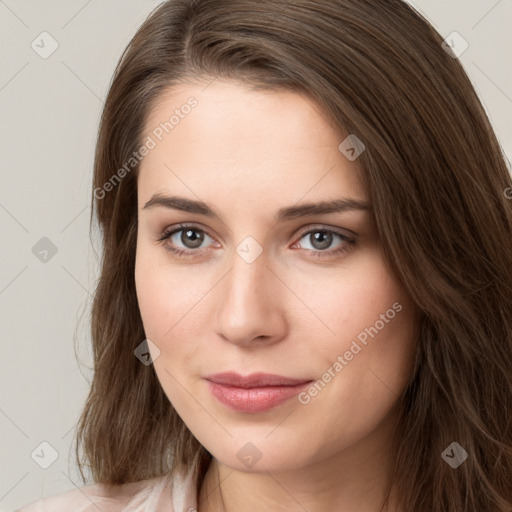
(107, 498)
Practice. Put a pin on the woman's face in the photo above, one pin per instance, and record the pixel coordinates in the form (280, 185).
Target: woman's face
(266, 282)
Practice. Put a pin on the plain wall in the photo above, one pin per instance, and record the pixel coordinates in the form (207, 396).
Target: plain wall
(49, 111)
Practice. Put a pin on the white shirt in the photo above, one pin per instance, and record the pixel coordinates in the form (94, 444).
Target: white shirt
(160, 494)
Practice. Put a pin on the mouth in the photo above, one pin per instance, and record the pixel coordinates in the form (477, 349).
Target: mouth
(254, 393)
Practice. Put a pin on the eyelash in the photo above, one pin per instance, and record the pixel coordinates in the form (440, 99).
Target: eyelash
(192, 253)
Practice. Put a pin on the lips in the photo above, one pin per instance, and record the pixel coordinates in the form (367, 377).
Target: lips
(254, 393)
(255, 380)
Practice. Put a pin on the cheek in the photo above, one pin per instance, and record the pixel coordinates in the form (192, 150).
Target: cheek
(164, 301)
(150, 296)
(368, 321)
(170, 299)
(165, 294)
(348, 301)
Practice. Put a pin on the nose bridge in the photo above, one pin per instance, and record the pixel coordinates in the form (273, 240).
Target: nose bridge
(248, 304)
(248, 279)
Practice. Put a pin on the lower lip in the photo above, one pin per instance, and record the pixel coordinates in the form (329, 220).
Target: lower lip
(252, 400)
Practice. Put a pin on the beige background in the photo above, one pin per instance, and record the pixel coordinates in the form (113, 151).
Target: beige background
(49, 111)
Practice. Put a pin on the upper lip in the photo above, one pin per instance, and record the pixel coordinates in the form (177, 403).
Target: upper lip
(254, 380)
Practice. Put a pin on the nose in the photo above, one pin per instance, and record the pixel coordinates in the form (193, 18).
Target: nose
(250, 304)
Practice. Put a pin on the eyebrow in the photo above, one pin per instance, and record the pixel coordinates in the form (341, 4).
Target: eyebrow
(288, 213)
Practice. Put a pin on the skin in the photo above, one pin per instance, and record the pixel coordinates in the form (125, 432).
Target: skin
(246, 154)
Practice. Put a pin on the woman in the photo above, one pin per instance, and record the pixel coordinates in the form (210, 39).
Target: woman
(305, 294)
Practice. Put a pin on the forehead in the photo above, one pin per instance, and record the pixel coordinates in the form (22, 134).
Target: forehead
(228, 105)
(222, 135)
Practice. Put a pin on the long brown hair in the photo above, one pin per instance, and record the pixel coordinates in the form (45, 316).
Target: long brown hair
(438, 184)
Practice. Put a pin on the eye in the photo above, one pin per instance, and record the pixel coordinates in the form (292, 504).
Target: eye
(322, 238)
(191, 237)
(187, 241)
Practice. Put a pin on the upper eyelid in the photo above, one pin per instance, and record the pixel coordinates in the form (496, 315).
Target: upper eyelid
(322, 227)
